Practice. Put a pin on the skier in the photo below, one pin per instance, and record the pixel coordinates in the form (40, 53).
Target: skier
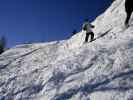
(129, 10)
(88, 28)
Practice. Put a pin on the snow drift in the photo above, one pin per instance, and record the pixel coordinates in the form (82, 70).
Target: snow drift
(71, 70)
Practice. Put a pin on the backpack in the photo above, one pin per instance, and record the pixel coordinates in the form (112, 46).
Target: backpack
(85, 27)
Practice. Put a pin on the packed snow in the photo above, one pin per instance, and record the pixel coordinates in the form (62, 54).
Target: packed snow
(72, 70)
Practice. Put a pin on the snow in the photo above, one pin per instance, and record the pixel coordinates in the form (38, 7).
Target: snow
(72, 70)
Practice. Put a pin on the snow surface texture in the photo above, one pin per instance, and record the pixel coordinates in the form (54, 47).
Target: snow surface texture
(71, 70)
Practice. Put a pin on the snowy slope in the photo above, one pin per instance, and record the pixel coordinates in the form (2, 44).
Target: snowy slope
(71, 70)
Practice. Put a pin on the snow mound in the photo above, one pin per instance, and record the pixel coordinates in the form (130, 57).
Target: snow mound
(71, 70)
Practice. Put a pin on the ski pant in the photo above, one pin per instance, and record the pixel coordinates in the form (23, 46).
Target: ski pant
(87, 36)
(128, 17)
(128, 9)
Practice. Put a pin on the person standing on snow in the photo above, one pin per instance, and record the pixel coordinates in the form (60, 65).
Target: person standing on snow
(88, 28)
(129, 10)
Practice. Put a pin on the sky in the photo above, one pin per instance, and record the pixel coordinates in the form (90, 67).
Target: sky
(31, 21)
